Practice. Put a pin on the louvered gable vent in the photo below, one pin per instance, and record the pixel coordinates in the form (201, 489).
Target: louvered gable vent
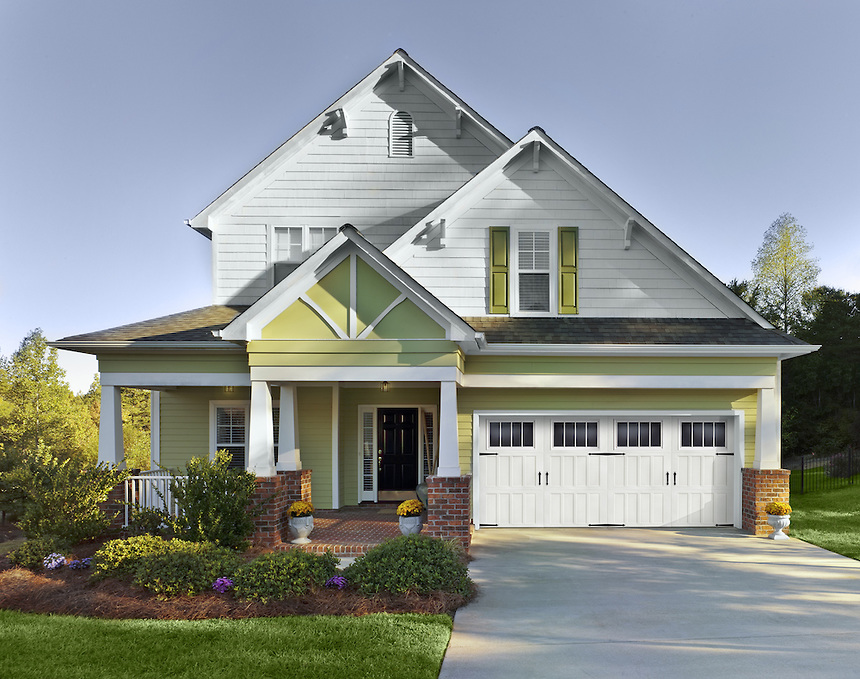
(400, 135)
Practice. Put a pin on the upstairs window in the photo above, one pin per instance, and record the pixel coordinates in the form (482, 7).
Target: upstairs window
(294, 244)
(400, 135)
(533, 272)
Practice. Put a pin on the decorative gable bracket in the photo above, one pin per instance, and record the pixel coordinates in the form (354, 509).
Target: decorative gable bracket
(432, 231)
(334, 124)
(628, 232)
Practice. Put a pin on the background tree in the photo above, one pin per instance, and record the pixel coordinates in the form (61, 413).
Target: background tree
(38, 411)
(783, 272)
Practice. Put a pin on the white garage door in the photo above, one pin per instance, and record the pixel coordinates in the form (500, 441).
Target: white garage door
(557, 470)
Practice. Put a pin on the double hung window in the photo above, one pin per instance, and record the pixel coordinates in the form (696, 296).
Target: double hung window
(291, 245)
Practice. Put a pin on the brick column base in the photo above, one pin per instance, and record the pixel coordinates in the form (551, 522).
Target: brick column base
(761, 486)
(448, 508)
(114, 506)
(271, 528)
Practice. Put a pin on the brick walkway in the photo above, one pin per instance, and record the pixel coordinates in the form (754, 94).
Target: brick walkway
(351, 531)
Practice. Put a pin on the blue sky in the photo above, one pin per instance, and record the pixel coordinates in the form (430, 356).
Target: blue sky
(120, 120)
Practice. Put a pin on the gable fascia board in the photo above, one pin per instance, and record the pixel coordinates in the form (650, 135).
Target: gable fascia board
(248, 326)
(780, 351)
(143, 345)
(265, 169)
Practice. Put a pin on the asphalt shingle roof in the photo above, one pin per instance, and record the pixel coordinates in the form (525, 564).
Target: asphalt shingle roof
(196, 325)
(580, 330)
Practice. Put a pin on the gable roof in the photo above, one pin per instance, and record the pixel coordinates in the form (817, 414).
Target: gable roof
(249, 325)
(628, 219)
(393, 66)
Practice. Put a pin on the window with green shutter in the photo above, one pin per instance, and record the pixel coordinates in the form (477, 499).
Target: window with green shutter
(499, 284)
(567, 284)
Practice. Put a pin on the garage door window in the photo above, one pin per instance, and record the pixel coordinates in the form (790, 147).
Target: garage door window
(574, 434)
(511, 434)
(703, 434)
(639, 434)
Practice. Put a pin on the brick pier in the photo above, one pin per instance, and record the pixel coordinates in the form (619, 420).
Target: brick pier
(449, 500)
(761, 486)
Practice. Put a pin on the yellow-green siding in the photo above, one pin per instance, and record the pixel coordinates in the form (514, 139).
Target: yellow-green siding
(204, 362)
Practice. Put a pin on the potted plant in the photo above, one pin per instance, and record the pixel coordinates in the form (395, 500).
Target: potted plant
(301, 515)
(778, 516)
(410, 516)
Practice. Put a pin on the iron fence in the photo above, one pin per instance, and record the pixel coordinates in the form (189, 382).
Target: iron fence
(825, 473)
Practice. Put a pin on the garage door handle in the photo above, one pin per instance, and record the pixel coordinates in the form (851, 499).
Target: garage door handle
(538, 478)
(674, 478)
(667, 478)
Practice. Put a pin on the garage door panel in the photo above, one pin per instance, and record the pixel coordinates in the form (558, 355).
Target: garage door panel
(665, 485)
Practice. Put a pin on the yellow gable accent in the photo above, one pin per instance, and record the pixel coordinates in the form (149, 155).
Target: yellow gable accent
(407, 321)
(374, 294)
(298, 321)
(331, 294)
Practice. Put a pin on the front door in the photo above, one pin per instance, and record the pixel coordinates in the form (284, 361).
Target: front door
(397, 448)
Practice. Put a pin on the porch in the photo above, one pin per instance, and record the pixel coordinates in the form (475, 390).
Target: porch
(351, 531)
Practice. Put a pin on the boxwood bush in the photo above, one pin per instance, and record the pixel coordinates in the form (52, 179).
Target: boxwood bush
(185, 568)
(119, 558)
(279, 575)
(412, 564)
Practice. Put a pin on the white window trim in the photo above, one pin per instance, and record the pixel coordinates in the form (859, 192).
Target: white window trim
(514, 246)
(306, 249)
(213, 423)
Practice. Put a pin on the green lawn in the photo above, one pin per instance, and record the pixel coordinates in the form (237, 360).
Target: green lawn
(829, 519)
(375, 646)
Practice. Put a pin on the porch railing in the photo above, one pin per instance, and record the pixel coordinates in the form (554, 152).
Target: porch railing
(150, 491)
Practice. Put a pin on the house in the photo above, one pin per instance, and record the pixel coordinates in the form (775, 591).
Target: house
(401, 292)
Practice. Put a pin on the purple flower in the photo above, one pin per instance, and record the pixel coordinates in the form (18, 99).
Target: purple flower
(222, 585)
(337, 581)
(80, 564)
(54, 561)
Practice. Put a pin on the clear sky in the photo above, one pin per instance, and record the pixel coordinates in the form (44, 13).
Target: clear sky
(120, 120)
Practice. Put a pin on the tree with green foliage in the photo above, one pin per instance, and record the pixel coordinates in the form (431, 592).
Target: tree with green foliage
(783, 272)
(38, 411)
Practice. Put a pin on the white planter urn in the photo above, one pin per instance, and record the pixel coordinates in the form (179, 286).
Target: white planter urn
(302, 527)
(778, 522)
(410, 525)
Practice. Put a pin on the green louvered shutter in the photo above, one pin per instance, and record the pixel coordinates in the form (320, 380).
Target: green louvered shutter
(499, 269)
(567, 252)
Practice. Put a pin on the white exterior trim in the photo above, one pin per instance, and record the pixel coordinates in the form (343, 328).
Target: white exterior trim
(671, 350)
(335, 446)
(554, 381)
(356, 374)
(156, 380)
(111, 446)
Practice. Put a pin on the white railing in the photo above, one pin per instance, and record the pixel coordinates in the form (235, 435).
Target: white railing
(150, 491)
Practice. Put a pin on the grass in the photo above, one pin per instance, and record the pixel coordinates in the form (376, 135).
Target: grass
(829, 519)
(379, 646)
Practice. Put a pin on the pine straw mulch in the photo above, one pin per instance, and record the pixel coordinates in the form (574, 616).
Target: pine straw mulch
(68, 592)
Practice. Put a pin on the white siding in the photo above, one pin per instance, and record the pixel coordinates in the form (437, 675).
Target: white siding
(350, 180)
(612, 281)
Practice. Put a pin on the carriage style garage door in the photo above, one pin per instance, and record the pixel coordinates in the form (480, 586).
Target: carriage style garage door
(580, 470)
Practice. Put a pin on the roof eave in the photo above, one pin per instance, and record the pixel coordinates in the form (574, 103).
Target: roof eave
(781, 351)
(104, 346)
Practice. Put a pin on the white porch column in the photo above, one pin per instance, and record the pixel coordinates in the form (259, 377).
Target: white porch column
(111, 448)
(261, 437)
(767, 431)
(289, 456)
(335, 446)
(154, 429)
(449, 449)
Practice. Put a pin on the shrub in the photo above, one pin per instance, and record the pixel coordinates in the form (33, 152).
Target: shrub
(411, 564)
(32, 553)
(279, 575)
(148, 521)
(214, 502)
(186, 568)
(118, 558)
(62, 496)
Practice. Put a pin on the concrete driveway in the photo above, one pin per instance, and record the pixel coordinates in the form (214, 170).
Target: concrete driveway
(625, 602)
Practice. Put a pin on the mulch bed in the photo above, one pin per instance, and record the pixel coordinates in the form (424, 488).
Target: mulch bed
(69, 592)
